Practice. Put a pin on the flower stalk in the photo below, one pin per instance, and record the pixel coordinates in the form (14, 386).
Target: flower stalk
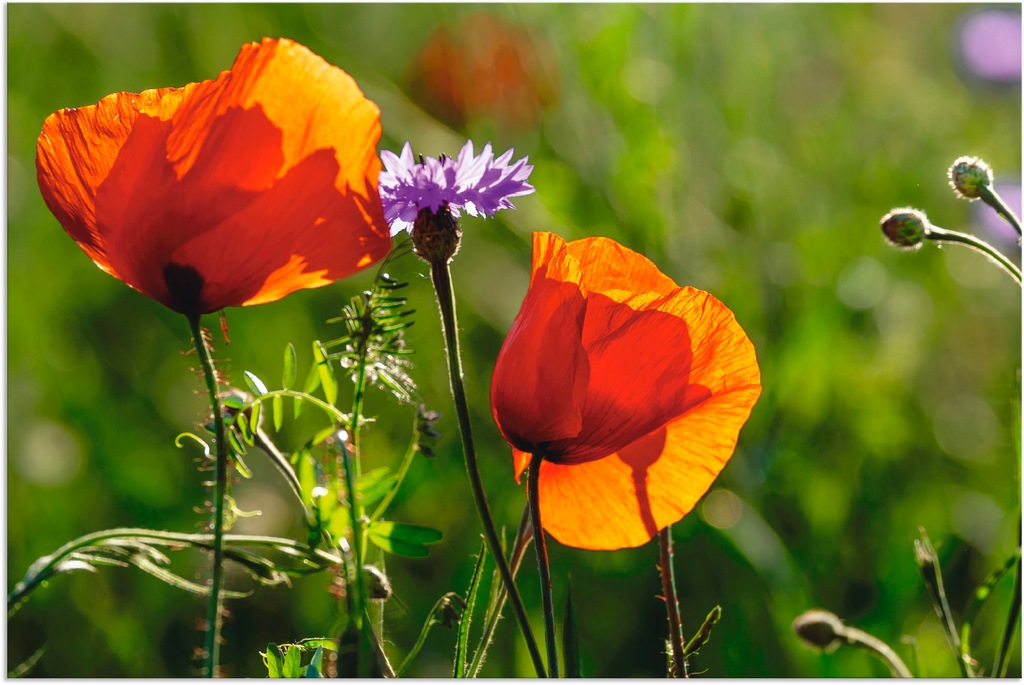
(680, 668)
(541, 547)
(220, 483)
(441, 278)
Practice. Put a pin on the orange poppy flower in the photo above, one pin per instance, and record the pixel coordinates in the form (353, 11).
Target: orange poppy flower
(632, 388)
(235, 191)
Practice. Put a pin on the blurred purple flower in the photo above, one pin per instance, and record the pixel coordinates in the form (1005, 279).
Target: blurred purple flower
(993, 225)
(990, 45)
(480, 185)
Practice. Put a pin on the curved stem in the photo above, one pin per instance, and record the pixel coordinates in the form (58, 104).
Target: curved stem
(668, 585)
(441, 277)
(858, 638)
(43, 567)
(990, 197)
(213, 614)
(541, 546)
(941, 235)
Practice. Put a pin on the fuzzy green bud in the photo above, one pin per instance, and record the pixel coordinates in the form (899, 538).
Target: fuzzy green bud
(968, 176)
(819, 629)
(905, 228)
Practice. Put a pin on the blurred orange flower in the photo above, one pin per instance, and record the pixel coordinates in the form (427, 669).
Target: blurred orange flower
(485, 66)
(235, 191)
(633, 389)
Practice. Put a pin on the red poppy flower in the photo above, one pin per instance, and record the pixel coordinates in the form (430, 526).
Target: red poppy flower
(632, 388)
(228, 192)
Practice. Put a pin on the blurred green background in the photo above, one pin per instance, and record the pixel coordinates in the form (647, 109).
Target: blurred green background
(748, 150)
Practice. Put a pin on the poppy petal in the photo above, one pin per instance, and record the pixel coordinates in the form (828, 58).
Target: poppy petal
(624, 500)
(607, 266)
(542, 372)
(183, 193)
(74, 154)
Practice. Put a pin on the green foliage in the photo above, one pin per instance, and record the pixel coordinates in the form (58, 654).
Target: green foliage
(747, 150)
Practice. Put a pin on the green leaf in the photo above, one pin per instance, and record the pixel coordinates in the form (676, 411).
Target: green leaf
(704, 633)
(240, 465)
(236, 445)
(290, 366)
(326, 372)
(571, 638)
(277, 403)
(255, 384)
(374, 485)
(292, 663)
(407, 532)
(254, 417)
(403, 539)
(242, 424)
(273, 658)
(313, 669)
(312, 380)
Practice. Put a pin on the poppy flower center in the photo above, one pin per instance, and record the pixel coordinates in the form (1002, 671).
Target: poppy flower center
(185, 285)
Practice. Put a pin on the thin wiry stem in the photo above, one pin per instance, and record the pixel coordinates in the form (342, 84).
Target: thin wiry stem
(944, 236)
(442, 280)
(668, 585)
(541, 547)
(213, 613)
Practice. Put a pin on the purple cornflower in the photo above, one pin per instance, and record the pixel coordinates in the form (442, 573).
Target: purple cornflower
(479, 185)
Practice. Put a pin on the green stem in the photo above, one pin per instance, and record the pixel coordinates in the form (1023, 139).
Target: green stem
(441, 277)
(668, 585)
(990, 197)
(431, 621)
(213, 613)
(1012, 619)
(410, 452)
(523, 539)
(541, 547)
(941, 235)
(358, 612)
(351, 464)
(43, 568)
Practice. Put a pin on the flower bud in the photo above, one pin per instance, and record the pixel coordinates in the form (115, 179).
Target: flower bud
(905, 228)
(968, 176)
(436, 235)
(819, 629)
(377, 584)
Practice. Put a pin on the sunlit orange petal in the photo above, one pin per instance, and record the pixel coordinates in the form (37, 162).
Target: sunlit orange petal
(608, 268)
(227, 192)
(671, 379)
(625, 499)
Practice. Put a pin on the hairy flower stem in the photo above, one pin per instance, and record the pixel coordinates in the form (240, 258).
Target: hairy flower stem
(944, 236)
(442, 280)
(213, 614)
(668, 584)
(541, 546)
(351, 472)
